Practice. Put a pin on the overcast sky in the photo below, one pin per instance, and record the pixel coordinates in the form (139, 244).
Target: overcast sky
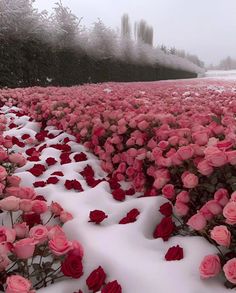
(203, 27)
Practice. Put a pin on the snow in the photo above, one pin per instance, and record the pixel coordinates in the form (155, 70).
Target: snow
(127, 253)
(221, 74)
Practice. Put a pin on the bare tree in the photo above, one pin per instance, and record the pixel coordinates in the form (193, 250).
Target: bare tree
(125, 27)
(143, 32)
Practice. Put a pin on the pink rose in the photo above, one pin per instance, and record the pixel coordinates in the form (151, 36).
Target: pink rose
(17, 284)
(14, 180)
(231, 155)
(197, 222)
(17, 159)
(26, 193)
(56, 208)
(214, 207)
(221, 196)
(183, 197)
(22, 230)
(4, 262)
(9, 233)
(39, 206)
(24, 248)
(200, 137)
(233, 196)
(181, 209)
(3, 173)
(39, 233)
(3, 154)
(205, 168)
(2, 187)
(168, 191)
(206, 213)
(230, 270)
(55, 231)
(215, 157)
(185, 152)
(26, 205)
(10, 203)
(221, 235)
(189, 180)
(14, 191)
(59, 245)
(229, 212)
(210, 266)
(65, 217)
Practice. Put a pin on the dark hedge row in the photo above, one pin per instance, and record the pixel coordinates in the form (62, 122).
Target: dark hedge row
(32, 62)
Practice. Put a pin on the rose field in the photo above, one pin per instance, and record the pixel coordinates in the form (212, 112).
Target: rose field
(119, 187)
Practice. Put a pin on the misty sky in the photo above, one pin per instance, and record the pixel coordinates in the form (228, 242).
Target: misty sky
(203, 27)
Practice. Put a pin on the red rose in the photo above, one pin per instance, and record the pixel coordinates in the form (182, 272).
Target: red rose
(42, 148)
(57, 173)
(174, 253)
(97, 216)
(31, 219)
(30, 151)
(51, 161)
(87, 172)
(118, 194)
(80, 157)
(112, 287)
(166, 209)
(69, 184)
(164, 229)
(96, 279)
(39, 184)
(130, 191)
(25, 136)
(52, 180)
(33, 159)
(114, 184)
(130, 217)
(72, 265)
(37, 170)
(65, 158)
(76, 185)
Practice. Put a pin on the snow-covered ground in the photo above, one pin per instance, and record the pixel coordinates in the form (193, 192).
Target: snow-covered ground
(221, 74)
(128, 252)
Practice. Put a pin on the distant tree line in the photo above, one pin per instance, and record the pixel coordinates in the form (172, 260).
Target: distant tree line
(227, 63)
(37, 48)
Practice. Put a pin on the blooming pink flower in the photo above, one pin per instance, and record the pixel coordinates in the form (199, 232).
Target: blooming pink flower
(230, 270)
(197, 222)
(18, 284)
(24, 248)
(221, 235)
(210, 266)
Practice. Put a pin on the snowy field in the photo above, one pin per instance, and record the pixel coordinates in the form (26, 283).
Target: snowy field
(221, 74)
(128, 252)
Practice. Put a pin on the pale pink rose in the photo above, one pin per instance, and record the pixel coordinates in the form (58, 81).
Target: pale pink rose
(39, 233)
(10, 203)
(181, 209)
(22, 230)
(221, 235)
(7, 143)
(13, 180)
(189, 180)
(183, 197)
(210, 266)
(39, 206)
(26, 193)
(143, 125)
(231, 155)
(26, 205)
(197, 222)
(173, 140)
(230, 270)
(18, 284)
(65, 217)
(17, 159)
(221, 196)
(214, 207)
(59, 245)
(55, 231)
(168, 191)
(24, 248)
(3, 173)
(56, 208)
(229, 212)
(9, 233)
(4, 262)
(185, 152)
(205, 168)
